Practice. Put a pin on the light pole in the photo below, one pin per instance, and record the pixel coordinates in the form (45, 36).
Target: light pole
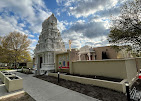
(58, 77)
(127, 91)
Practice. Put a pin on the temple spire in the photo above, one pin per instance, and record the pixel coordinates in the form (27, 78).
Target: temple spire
(52, 14)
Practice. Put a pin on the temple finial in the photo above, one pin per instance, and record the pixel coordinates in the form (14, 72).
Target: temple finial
(52, 14)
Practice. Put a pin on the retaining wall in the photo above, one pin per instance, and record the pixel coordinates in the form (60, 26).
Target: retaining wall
(138, 62)
(118, 86)
(118, 68)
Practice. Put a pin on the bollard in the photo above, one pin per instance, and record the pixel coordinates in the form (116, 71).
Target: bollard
(29, 70)
(35, 72)
(22, 69)
(58, 77)
(127, 91)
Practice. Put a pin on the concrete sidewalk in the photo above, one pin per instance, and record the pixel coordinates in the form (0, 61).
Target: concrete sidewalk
(3, 91)
(44, 91)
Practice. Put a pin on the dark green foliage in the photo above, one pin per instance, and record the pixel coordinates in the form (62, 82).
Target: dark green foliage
(126, 28)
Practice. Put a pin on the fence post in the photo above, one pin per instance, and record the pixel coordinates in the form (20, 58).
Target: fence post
(58, 77)
(127, 91)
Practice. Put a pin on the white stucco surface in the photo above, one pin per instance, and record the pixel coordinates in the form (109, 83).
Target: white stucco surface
(49, 42)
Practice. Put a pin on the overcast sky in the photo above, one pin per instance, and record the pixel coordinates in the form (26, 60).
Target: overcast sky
(85, 22)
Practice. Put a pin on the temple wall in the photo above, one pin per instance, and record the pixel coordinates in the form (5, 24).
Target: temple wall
(138, 62)
(111, 53)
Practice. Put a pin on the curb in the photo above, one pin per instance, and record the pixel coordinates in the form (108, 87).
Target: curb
(13, 94)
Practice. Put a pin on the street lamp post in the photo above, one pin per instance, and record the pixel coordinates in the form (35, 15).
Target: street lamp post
(127, 91)
(58, 77)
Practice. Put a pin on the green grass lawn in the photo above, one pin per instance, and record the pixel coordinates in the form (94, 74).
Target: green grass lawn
(4, 69)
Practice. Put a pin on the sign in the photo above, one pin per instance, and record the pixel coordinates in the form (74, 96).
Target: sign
(63, 61)
(140, 76)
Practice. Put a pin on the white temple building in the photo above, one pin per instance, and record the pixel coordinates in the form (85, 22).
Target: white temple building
(49, 43)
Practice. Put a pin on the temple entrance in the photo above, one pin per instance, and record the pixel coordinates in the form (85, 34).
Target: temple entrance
(104, 55)
(91, 57)
(41, 62)
(86, 57)
(87, 53)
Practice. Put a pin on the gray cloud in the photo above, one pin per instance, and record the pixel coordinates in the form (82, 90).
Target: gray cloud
(31, 13)
(108, 12)
(89, 30)
(89, 43)
(105, 14)
(87, 7)
(100, 43)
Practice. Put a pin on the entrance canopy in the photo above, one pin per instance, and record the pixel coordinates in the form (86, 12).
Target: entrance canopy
(88, 51)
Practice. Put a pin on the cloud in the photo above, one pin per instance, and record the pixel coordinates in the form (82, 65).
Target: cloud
(5, 27)
(33, 44)
(61, 25)
(34, 40)
(78, 40)
(88, 7)
(84, 8)
(9, 25)
(27, 14)
(23, 8)
(58, 12)
(86, 33)
(66, 3)
(108, 12)
(75, 37)
(30, 14)
(89, 29)
(31, 36)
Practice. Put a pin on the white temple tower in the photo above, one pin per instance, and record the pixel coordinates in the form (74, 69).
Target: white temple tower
(50, 41)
